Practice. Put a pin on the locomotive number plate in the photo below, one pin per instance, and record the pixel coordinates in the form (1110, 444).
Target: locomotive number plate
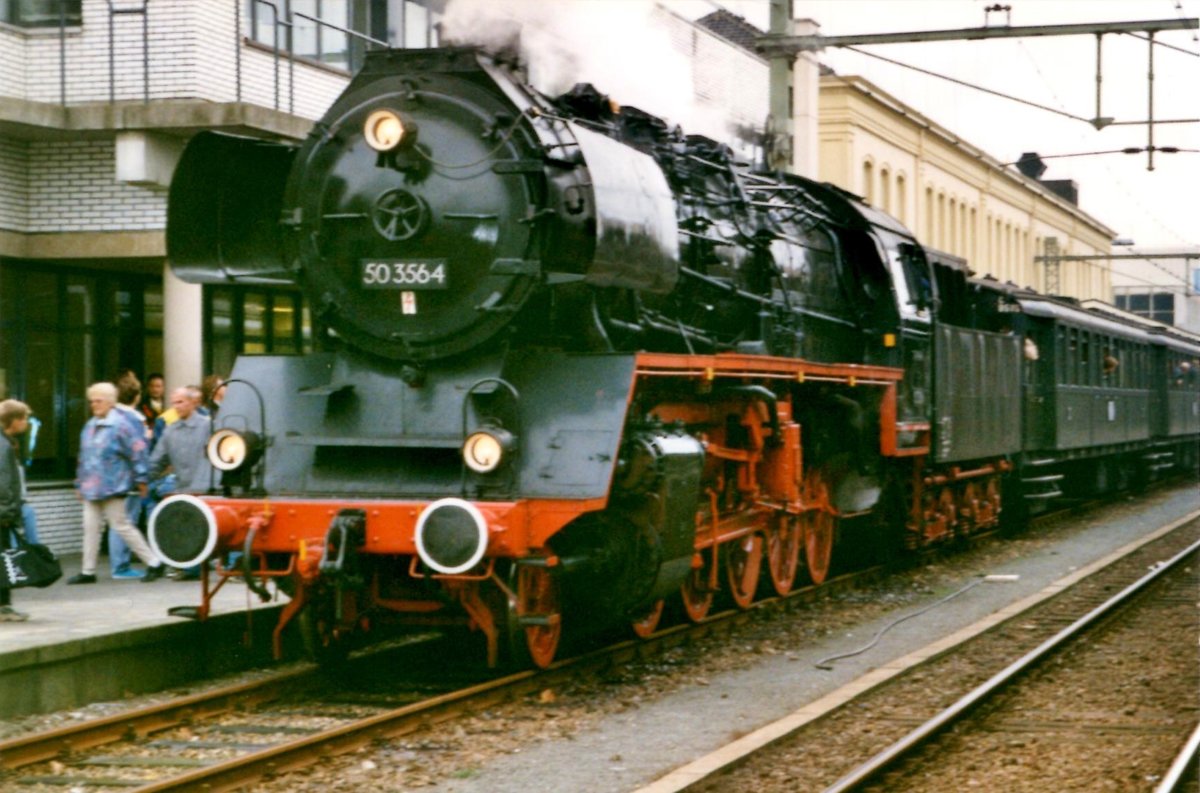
(403, 273)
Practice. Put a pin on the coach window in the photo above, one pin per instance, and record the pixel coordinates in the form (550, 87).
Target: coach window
(1073, 356)
(1086, 358)
(41, 13)
(1060, 356)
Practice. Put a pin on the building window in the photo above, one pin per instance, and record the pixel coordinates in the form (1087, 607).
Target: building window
(321, 41)
(243, 321)
(41, 13)
(62, 330)
(868, 179)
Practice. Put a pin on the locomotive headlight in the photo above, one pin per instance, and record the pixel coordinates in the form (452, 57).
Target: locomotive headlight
(229, 450)
(383, 130)
(485, 449)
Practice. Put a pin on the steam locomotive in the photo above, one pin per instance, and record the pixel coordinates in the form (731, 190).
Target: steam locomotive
(575, 366)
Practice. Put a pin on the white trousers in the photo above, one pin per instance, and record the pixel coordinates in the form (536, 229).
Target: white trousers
(113, 511)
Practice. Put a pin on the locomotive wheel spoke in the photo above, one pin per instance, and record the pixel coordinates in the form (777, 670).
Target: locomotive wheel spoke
(743, 563)
(820, 526)
(537, 596)
(696, 593)
(783, 552)
(648, 623)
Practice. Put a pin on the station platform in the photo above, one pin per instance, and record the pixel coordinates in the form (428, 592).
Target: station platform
(97, 642)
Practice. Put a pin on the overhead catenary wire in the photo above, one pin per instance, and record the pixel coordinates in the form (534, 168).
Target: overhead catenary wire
(1130, 194)
(966, 84)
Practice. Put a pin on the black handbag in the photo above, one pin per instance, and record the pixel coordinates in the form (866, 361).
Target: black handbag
(28, 564)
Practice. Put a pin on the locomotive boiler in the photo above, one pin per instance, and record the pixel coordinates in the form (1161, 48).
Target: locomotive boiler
(573, 365)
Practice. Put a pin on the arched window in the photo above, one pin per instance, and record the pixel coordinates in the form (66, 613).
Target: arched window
(901, 199)
(868, 182)
(885, 189)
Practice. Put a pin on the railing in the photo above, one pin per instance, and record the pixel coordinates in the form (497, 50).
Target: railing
(289, 26)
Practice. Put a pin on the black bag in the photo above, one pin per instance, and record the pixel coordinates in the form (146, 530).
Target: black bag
(28, 564)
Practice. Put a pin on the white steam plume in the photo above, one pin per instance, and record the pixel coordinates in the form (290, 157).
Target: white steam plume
(620, 46)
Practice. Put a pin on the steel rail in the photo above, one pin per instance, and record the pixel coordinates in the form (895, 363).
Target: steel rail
(1173, 780)
(888, 758)
(279, 758)
(56, 743)
(50, 744)
(301, 752)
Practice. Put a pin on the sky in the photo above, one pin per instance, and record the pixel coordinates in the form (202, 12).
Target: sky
(1159, 208)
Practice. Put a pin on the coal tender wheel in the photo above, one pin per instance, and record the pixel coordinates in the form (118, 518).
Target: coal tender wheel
(783, 552)
(820, 526)
(539, 613)
(697, 592)
(647, 624)
(743, 563)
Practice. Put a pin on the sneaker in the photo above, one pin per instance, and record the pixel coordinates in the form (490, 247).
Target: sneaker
(153, 573)
(127, 574)
(9, 614)
(82, 578)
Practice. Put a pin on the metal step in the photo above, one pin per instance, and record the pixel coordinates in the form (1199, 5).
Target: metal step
(1042, 479)
(1043, 496)
(1036, 463)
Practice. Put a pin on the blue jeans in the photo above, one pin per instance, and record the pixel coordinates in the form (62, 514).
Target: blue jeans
(29, 518)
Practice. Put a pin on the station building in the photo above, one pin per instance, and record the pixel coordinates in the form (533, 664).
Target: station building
(97, 99)
(953, 195)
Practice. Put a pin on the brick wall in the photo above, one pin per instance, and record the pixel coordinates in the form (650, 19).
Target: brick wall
(60, 517)
(12, 62)
(72, 187)
(192, 54)
(730, 85)
(14, 184)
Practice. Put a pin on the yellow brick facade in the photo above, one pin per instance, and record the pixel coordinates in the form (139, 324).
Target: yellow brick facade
(954, 196)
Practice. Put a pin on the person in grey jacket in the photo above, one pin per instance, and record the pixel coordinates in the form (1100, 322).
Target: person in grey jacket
(14, 419)
(180, 450)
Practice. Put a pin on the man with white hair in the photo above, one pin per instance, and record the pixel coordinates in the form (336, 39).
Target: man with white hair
(181, 447)
(112, 461)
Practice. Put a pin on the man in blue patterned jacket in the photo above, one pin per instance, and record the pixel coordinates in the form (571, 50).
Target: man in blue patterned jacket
(112, 462)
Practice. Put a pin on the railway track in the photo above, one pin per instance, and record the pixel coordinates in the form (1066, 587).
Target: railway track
(228, 737)
(851, 739)
(1045, 707)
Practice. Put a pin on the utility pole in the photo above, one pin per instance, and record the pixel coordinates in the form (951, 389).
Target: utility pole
(1052, 260)
(795, 79)
(779, 123)
(806, 41)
